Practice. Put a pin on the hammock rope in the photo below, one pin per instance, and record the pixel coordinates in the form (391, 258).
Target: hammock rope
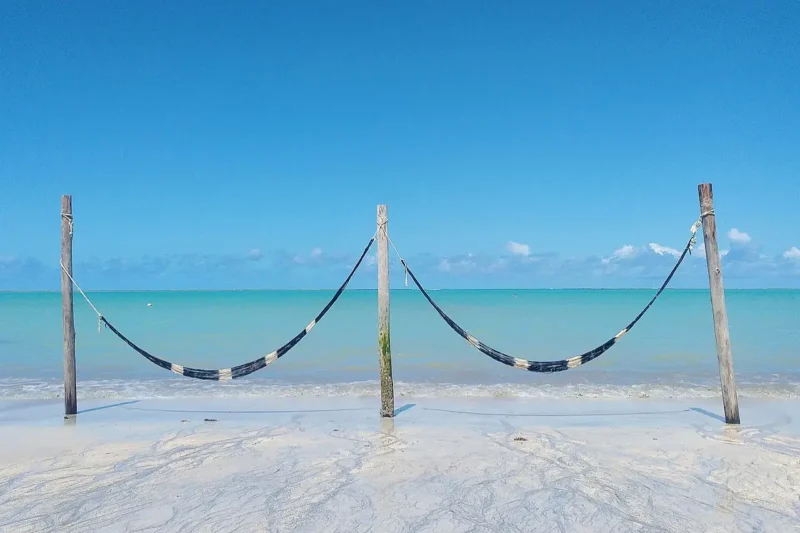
(563, 364)
(234, 372)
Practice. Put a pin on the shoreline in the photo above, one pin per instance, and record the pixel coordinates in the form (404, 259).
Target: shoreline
(168, 387)
(590, 412)
(135, 410)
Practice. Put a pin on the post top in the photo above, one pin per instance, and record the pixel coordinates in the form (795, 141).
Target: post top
(706, 194)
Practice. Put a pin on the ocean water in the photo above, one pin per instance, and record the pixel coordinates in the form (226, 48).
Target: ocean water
(670, 353)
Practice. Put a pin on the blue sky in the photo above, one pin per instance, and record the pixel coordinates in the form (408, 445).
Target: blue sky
(246, 145)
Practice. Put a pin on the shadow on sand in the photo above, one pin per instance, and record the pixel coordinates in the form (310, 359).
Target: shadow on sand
(708, 413)
(109, 406)
(567, 414)
(698, 410)
(248, 412)
(403, 409)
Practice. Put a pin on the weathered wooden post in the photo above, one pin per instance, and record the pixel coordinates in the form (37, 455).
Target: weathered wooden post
(67, 316)
(384, 344)
(730, 400)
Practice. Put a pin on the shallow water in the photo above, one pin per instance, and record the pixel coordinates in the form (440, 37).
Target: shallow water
(670, 353)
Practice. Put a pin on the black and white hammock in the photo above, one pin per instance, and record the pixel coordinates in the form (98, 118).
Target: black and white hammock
(238, 371)
(563, 364)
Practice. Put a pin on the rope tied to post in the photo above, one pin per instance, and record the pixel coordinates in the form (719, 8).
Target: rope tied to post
(70, 220)
(382, 227)
(563, 364)
(88, 301)
(696, 226)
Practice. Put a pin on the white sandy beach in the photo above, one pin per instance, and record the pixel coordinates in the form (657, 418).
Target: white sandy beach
(449, 465)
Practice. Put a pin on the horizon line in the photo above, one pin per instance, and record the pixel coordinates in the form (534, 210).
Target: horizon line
(403, 289)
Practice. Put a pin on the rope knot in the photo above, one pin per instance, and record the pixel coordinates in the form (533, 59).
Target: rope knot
(70, 220)
(693, 229)
(696, 226)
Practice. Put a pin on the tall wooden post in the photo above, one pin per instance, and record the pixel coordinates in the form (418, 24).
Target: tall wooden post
(384, 344)
(68, 319)
(730, 400)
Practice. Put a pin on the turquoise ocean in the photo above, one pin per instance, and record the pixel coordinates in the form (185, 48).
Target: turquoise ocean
(670, 353)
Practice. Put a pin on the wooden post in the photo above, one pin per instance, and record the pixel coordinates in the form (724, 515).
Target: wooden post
(68, 319)
(384, 344)
(730, 400)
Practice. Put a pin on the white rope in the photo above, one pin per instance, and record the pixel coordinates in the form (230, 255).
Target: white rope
(695, 227)
(383, 227)
(88, 301)
(70, 220)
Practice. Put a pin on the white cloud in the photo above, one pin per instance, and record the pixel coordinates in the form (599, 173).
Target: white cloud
(644, 264)
(738, 236)
(664, 250)
(792, 253)
(517, 248)
(626, 252)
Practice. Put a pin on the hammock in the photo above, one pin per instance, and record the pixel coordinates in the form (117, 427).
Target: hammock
(563, 364)
(242, 370)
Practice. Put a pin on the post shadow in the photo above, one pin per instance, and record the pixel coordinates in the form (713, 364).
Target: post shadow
(109, 406)
(406, 407)
(707, 413)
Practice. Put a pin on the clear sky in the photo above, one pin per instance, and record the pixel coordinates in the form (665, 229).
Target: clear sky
(246, 144)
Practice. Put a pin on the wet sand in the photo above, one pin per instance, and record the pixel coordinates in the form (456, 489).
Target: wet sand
(449, 465)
